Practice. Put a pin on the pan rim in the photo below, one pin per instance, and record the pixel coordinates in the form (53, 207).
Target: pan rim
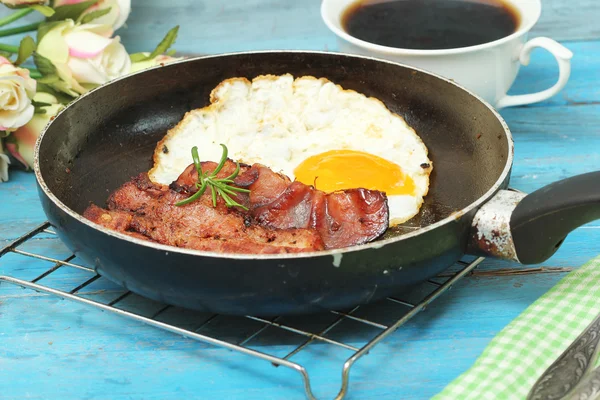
(285, 256)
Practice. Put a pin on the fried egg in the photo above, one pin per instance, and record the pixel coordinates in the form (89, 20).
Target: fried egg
(308, 129)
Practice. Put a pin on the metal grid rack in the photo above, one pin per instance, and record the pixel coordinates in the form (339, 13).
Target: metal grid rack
(440, 285)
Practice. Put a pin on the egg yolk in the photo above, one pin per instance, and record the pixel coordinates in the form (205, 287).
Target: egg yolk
(346, 169)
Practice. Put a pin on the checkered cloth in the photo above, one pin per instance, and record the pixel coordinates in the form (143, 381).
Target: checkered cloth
(514, 360)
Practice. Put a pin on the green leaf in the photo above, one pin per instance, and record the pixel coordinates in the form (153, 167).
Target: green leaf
(48, 79)
(165, 44)
(46, 27)
(87, 18)
(44, 65)
(60, 96)
(71, 11)
(26, 49)
(162, 48)
(44, 10)
(137, 57)
(35, 74)
(39, 107)
(171, 52)
(40, 104)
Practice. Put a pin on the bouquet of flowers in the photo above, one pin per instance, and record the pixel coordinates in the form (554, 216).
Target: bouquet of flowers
(70, 51)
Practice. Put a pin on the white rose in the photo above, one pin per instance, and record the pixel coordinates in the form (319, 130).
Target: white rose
(85, 55)
(16, 91)
(162, 59)
(23, 140)
(4, 162)
(119, 11)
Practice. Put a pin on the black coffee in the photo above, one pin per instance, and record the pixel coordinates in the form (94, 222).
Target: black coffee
(430, 24)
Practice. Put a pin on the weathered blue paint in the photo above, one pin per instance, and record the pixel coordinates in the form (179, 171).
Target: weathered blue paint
(53, 349)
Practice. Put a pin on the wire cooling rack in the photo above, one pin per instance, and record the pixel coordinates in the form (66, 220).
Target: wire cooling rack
(117, 305)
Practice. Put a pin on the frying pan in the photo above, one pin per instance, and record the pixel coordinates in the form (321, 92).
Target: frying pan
(107, 136)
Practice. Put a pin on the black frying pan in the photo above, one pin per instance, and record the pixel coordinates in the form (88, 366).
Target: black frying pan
(108, 136)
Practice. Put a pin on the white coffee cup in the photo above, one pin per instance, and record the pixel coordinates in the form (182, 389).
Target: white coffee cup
(487, 69)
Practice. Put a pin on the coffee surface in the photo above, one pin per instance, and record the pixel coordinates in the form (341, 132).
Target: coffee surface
(430, 24)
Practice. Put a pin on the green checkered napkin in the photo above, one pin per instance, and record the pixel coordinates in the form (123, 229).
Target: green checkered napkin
(514, 360)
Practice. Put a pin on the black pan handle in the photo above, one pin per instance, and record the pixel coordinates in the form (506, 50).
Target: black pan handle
(542, 220)
(530, 228)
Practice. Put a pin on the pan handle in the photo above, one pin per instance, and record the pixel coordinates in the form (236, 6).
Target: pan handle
(530, 228)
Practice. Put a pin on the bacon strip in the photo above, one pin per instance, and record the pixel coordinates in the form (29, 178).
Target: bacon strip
(343, 219)
(283, 216)
(143, 210)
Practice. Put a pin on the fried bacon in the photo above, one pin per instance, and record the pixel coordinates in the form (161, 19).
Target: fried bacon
(141, 209)
(344, 218)
(282, 216)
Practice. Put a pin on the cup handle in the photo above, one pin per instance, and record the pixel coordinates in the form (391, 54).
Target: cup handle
(563, 58)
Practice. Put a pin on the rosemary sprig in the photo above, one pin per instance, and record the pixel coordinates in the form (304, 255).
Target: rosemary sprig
(218, 186)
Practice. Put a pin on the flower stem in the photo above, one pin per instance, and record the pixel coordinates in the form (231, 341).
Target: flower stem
(15, 16)
(20, 29)
(8, 48)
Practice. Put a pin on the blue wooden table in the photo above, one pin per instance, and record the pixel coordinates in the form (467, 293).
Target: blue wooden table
(54, 349)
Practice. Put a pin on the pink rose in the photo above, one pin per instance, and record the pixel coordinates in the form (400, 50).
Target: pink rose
(84, 56)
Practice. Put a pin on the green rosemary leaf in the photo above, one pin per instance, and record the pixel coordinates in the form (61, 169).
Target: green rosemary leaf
(237, 189)
(193, 198)
(235, 173)
(214, 196)
(222, 162)
(218, 187)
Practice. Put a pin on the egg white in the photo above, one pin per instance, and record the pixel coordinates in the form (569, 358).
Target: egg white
(280, 121)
